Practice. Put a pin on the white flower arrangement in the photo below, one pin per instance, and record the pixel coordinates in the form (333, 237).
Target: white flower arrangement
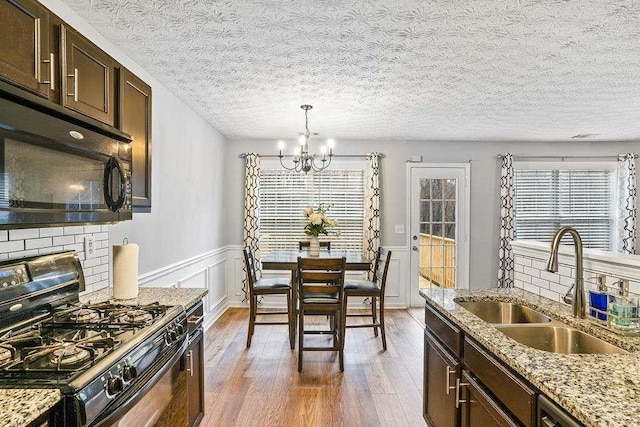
(318, 222)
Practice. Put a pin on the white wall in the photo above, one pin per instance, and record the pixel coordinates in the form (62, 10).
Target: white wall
(485, 173)
(187, 218)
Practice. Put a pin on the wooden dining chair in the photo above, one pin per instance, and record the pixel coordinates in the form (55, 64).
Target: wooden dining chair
(373, 289)
(320, 292)
(260, 287)
(306, 244)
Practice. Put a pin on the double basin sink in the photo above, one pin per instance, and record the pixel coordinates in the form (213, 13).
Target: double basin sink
(536, 330)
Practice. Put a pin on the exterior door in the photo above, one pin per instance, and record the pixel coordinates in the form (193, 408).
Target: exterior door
(438, 227)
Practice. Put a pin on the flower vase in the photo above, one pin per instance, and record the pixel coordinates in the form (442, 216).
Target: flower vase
(314, 246)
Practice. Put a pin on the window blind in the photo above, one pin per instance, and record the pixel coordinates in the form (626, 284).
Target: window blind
(545, 200)
(285, 194)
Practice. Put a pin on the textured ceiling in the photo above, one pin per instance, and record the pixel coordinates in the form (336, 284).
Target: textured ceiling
(373, 69)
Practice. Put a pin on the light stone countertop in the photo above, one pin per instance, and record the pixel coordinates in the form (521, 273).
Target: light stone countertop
(185, 297)
(597, 389)
(21, 406)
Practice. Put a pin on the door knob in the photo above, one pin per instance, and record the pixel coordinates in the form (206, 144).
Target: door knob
(415, 248)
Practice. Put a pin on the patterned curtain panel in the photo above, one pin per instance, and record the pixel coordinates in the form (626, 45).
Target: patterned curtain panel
(372, 208)
(252, 212)
(505, 254)
(627, 204)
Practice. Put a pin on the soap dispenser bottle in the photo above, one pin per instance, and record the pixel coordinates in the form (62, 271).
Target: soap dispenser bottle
(621, 310)
(599, 299)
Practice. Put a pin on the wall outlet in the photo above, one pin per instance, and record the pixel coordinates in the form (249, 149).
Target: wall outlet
(399, 228)
(89, 247)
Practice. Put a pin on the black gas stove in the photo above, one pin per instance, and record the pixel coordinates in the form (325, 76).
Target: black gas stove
(100, 355)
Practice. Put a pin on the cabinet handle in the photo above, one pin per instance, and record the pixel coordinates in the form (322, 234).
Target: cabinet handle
(449, 372)
(458, 391)
(194, 319)
(52, 72)
(75, 84)
(190, 368)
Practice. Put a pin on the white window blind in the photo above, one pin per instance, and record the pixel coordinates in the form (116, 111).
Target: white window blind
(285, 194)
(545, 200)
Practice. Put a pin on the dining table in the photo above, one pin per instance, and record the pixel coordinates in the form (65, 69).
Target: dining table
(287, 259)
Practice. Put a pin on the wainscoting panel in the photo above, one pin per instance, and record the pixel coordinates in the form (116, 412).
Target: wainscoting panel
(207, 270)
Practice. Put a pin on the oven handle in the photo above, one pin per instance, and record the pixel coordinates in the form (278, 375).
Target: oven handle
(114, 204)
(123, 407)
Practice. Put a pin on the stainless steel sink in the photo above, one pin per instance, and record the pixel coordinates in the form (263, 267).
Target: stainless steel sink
(559, 339)
(503, 312)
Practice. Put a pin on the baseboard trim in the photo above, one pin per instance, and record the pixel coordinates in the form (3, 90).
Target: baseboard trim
(214, 313)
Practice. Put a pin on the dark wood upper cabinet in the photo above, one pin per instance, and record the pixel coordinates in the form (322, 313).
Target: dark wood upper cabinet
(135, 119)
(88, 77)
(26, 59)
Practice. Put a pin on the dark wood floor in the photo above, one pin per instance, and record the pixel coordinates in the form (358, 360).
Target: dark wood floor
(262, 387)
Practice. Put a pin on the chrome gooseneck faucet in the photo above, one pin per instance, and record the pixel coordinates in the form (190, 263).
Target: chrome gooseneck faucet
(577, 299)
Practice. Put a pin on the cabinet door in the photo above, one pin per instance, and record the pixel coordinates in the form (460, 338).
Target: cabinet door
(88, 84)
(25, 55)
(135, 119)
(440, 373)
(479, 409)
(195, 379)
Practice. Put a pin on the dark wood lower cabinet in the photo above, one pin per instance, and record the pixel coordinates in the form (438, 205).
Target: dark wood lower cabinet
(479, 409)
(440, 374)
(194, 366)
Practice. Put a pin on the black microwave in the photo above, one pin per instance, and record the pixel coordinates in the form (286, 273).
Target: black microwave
(57, 171)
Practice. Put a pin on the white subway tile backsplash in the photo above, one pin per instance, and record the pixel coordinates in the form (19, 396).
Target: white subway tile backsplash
(49, 250)
(92, 228)
(23, 254)
(551, 277)
(538, 265)
(12, 246)
(50, 232)
(530, 274)
(63, 240)
(102, 236)
(38, 243)
(78, 247)
(4, 235)
(541, 283)
(27, 233)
(76, 229)
(531, 271)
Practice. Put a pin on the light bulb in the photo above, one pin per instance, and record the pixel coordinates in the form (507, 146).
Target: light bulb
(323, 150)
(281, 145)
(302, 139)
(296, 151)
(331, 143)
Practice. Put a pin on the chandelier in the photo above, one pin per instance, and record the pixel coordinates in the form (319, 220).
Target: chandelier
(303, 161)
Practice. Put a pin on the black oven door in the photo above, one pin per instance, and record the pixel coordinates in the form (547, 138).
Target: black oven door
(57, 173)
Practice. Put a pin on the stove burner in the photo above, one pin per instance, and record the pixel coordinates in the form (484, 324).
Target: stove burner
(138, 315)
(69, 355)
(84, 315)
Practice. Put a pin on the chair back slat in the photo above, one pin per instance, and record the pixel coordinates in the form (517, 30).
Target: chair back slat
(382, 267)
(328, 271)
(250, 266)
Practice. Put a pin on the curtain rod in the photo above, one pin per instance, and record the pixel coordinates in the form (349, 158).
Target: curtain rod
(618, 156)
(275, 156)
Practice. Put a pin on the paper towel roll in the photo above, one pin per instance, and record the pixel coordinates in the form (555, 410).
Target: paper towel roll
(125, 271)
